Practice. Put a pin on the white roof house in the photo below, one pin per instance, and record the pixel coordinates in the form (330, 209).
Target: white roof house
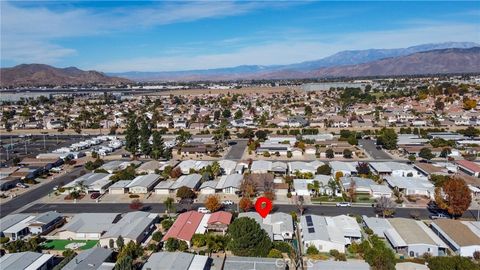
(347, 168)
(143, 183)
(301, 185)
(87, 226)
(228, 166)
(394, 169)
(95, 182)
(279, 226)
(327, 233)
(304, 167)
(176, 260)
(411, 185)
(191, 181)
(187, 165)
(134, 226)
(261, 166)
(26, 260)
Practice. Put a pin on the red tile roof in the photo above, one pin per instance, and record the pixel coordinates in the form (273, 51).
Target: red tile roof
(472, 166)
(220, 217)
(185, 226)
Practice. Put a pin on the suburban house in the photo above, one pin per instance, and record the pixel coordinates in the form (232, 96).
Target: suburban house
(90, 182)
(413, 238)
(463, 237)
(87, 226)
(469, 167)
(177, 260)
(15, 226)
(143, 184)
(118, 165)
(45, 222)
(96, 258)
(26, 260)
(219, 221)
(227, 184)
(187, 166)
(184, 227)
(366, 186)
(119, 187)
(261, 166)
(394, 169)
(250, 263)
(339, 265)
(192, 181)
(301, 185)
(347, 168)
(228, 166)
(134, 226)
(415, 186)
(149, 167)
(304, 167)
(327, 233)
(279, 226)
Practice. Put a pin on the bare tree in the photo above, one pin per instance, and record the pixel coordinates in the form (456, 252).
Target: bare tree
(385, 206)
(299, 202)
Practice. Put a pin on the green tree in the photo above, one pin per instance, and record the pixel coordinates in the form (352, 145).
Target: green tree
(145, 133)
(312, 250)
(248, 239)
(329, 153)
(451, 263)
(131, 136)
(226, 113)
(157, 236)
(120, 242)
(324, 169)
(274, 253)
(124, 263)
(171, 244)
(347, 153)
(388, 138)
(426, 153)
(169, 204)
(185, 193)
(238, 114)
(158, 145)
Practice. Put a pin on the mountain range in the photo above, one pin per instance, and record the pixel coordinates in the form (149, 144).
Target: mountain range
(45, 75)
(441, 58)
(304, 69)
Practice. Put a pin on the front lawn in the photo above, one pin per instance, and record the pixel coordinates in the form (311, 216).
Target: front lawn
(62, 244)
(326, 199)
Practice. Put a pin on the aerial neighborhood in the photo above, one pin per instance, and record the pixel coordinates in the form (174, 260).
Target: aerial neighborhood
(359, 178)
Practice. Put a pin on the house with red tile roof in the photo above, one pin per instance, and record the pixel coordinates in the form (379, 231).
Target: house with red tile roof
(184, 227)
(219, 221)
(469, 167)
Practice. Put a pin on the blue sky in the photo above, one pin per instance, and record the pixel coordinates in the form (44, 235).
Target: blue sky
(178, 35)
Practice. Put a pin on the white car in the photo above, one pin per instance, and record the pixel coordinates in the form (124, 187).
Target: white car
(227, 202)
(20, 185)
(203, 210)
(344, 204)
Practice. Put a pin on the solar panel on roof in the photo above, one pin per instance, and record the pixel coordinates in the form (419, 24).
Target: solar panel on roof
(311, 230)
(309, 220)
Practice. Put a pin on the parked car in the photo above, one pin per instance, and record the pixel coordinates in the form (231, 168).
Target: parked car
(344, 204)
(55, 188)
(227, 202)
(439, 216)
(20, 185)
(203, 210)
(94, 195)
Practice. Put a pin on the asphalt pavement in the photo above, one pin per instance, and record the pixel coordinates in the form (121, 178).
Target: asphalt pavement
(38, 192)
(371, 148)
(237, 149)
(73, 208)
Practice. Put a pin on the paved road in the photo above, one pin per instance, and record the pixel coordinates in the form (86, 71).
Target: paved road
(371, 148)
(39, 192)
(71, 208)
(237, 149)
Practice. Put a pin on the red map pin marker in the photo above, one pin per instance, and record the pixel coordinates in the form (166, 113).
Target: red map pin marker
(263, 206)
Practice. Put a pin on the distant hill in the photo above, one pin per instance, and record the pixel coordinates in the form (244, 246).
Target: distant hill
(43, 75)
(445, 61)
(302, 69)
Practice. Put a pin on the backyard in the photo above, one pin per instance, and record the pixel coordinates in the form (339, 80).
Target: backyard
(69, 244)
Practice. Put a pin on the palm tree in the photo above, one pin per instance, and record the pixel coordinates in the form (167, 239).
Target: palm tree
(80, 186)
(216, 169)
(333, 186)
(316, 187)
(168, 204)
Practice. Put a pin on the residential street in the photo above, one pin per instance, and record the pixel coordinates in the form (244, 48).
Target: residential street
(39, 192)
(371, 148)
(70, 208)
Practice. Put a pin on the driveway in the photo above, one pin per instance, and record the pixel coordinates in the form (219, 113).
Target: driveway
(371, 148)
(237, 148)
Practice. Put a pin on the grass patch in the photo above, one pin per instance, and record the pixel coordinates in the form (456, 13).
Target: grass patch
(326, 199)
(60, 244)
